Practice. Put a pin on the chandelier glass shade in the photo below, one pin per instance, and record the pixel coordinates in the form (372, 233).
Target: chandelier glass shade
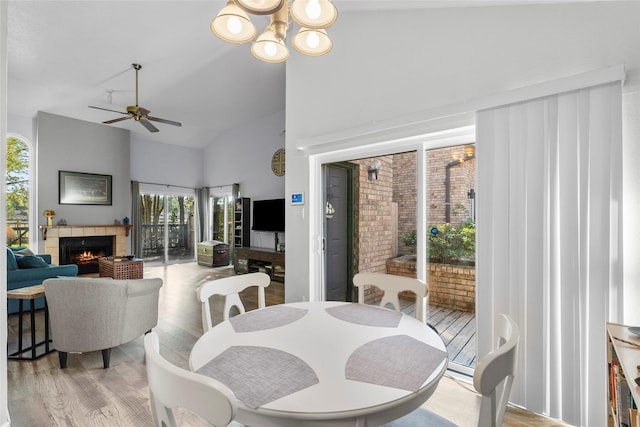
(312, 42)
(270, 46)
(261, 7)
(316, 14)
(233, 25)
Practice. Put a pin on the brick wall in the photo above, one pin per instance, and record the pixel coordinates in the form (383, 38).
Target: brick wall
(450, 286)
(373, 216)
(374, 222)
(462, 178)
(405, 194)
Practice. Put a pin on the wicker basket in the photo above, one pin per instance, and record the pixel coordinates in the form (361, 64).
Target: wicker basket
(121, 268)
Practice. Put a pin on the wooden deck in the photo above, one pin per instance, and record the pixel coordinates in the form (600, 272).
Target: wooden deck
(456, 328)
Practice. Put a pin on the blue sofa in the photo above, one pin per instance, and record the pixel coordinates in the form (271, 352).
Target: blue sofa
(29, 271)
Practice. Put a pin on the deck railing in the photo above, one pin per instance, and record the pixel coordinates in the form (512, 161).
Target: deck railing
(153, 238)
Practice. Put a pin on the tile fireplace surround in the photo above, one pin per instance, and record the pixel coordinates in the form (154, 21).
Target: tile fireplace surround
(53, 234)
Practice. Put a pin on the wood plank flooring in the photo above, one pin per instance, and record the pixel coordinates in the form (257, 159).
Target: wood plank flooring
(84, 394)
(456, 328)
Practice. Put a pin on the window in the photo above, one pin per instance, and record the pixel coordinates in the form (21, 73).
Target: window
(19, 191)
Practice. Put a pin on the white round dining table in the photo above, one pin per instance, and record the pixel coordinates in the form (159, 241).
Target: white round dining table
(322, 364)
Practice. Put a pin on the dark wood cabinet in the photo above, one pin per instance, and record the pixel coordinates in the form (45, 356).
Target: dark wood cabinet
(251, 260)
(242, 222)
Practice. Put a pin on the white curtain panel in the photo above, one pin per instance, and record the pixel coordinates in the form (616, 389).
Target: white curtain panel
(549, 239)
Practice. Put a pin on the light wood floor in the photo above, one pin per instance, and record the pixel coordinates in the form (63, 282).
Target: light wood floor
(84, 394)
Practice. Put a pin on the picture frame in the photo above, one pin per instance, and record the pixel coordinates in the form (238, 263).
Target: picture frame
(78, 188)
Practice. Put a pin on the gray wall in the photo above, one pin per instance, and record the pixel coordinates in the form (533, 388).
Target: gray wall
(158, 163)
(79, 146)
(243, 156)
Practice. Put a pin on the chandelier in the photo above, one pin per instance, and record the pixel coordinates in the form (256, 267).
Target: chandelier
(313, 16)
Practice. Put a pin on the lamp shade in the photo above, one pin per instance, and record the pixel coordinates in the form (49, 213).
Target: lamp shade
(233, 25)
(260, 7)
(314, 14)
(312, 42)
(11, 233)
(268, 47)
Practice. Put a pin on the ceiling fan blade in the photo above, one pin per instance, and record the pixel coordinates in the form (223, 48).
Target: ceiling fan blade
(106, 109)
(119, 119)
(151, 128)
(165, 121)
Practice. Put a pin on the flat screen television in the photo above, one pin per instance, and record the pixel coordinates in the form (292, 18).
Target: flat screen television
(268, 215)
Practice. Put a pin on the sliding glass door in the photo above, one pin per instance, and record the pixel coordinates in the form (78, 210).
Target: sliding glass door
(222, 213)
(168, 223)
(180, 228)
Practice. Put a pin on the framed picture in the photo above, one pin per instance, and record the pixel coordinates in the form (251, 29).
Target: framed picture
(76, 188)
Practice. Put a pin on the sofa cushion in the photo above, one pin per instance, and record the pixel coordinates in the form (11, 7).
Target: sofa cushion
(25, 251)
(11, 260)
(30, 261)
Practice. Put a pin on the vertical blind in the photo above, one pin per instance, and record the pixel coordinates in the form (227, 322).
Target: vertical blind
(549, 187)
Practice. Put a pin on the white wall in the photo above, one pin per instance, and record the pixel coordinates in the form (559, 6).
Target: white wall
(24, 127)
(243, 156)
(80, 146)
(386, 66)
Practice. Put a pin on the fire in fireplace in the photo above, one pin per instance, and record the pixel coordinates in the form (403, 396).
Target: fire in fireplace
(85, 252)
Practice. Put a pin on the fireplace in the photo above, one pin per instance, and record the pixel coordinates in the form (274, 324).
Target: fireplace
(85, 252)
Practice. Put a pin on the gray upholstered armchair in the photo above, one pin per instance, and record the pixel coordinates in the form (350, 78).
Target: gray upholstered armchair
(89, 314)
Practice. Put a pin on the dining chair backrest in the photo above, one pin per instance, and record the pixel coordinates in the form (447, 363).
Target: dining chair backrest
(172, 387)
(494, 373)
(230, 288)
(392, 285)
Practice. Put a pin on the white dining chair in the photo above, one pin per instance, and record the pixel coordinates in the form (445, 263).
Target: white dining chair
(230, 288)
(392, 285)
(492, 379)
(172, 387)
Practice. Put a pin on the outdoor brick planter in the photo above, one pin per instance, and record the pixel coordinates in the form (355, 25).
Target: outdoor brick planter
(450, 286)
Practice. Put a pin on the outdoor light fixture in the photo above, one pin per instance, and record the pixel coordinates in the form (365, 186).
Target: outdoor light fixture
(313, 16)
(374, 168)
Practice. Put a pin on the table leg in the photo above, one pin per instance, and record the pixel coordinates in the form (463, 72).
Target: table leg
(33, 328)
(46, 326)
(20, 313)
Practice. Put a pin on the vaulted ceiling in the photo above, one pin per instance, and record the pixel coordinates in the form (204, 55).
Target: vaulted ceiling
(67, 55)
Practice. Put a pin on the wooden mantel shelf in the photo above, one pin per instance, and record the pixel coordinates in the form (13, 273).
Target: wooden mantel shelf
(45, 228)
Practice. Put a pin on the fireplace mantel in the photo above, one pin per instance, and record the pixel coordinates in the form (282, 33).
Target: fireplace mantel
(51, 236)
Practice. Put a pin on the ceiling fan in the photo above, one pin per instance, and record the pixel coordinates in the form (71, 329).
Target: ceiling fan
(137, 113)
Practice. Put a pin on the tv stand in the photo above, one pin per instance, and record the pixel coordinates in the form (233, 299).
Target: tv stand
(251, 260)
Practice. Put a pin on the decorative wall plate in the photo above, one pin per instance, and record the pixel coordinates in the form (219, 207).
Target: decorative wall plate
(278, 162)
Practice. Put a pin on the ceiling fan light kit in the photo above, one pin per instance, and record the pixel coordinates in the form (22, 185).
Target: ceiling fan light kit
(137, 113)
(313, 17)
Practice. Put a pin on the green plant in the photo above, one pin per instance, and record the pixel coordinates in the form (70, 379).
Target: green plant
(409, 239)
(447, 243)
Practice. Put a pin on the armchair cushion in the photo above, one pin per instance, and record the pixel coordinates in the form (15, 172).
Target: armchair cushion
(89, 314)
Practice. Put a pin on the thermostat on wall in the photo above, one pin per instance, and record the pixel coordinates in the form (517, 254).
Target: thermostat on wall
(297, 198)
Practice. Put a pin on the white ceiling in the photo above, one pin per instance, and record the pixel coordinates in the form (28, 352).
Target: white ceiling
(67, 55)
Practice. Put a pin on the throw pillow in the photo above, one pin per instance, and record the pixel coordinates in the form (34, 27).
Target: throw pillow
(30, 261)
(25, 251)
